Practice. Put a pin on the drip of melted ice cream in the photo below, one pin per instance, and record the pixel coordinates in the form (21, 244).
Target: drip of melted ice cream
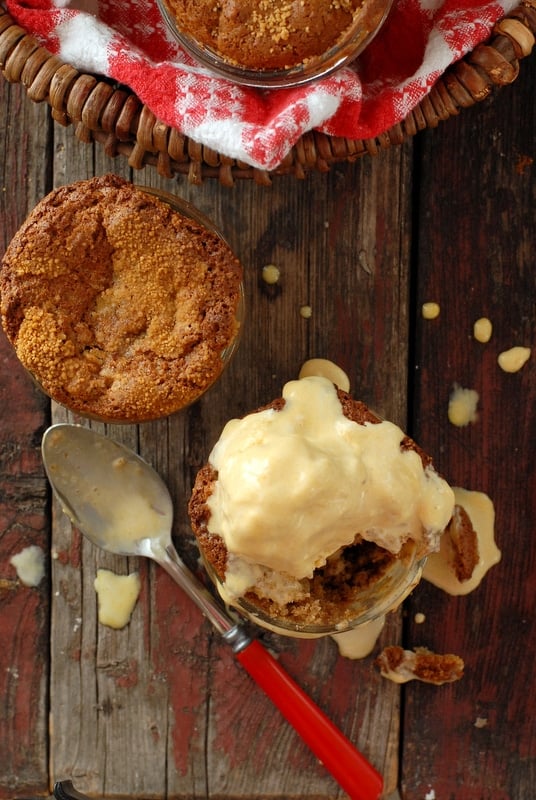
(438, 568)
(296, 485)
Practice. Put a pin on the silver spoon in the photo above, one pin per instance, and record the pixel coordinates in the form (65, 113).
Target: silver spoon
(123, 506)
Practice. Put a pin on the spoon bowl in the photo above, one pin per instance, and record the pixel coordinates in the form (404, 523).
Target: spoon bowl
(114, 497)
(122, 505)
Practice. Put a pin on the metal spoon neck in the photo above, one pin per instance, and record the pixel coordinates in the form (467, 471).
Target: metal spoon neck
(170, 560)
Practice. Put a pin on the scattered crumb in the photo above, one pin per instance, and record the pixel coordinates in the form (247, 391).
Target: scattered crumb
(449, 567)
(30, 565)
(481, 722)
(512, 360)
(325, 368)
(430, 795)
(8, 585)
(464, 544)
(430, 310)
(270, 274)
(117, 596)
(419, 618)
(401, 666)
(306, 312)
(462, 406)
(482, 330)
(524, 162)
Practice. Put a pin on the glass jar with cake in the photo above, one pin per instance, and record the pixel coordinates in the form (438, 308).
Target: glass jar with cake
(124, 303)
(313, 515)
(274, 43)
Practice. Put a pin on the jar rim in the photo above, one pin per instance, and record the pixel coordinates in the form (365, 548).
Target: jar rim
(353, 40)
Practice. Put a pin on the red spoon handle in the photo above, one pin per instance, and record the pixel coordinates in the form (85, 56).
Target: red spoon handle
(350, 769)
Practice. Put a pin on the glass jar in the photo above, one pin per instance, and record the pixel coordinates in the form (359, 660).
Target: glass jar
(154, 389)
(345, 47)
(382, 595)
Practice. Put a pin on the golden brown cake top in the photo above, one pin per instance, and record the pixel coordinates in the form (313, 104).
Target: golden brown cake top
(265, 34)
(118, 305)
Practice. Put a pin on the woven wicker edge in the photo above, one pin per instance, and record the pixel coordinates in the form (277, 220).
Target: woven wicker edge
(113, 115)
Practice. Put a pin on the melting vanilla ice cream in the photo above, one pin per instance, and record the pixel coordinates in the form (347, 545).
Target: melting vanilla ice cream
(359, 642)
(438, 568)
(295, 485)
(325, 368)
(30, 565)
(117, 596)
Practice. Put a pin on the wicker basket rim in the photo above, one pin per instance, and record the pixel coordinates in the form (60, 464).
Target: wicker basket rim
(102, 111)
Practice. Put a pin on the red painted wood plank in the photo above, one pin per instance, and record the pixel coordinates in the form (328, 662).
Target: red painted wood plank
(24, 612)
(475, 739)
(24, 616)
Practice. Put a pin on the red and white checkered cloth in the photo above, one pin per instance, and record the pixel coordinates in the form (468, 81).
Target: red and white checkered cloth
(127, 41)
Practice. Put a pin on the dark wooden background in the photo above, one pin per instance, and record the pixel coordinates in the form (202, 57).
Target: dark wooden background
(160, 709)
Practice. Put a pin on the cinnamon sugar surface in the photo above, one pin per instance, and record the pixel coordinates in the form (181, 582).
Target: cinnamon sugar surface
(118, 305)
(265, 34)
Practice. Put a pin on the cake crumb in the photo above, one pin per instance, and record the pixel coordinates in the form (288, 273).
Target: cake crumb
(306, 312)
(270, 34)
(430, 310)
(481, 722)
(449, 567)
(464, 543)
(419, 618)
(401, 666)
(514, 359)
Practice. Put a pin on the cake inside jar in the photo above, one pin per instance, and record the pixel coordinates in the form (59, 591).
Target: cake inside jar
(122, 307)
(266, 34)
(308, 502)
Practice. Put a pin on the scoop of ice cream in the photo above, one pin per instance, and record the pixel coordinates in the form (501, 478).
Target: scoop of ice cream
(296, 484)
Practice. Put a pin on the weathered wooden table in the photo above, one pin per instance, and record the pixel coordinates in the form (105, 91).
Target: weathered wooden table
(160, 709)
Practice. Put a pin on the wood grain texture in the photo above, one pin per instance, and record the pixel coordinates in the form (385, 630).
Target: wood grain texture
(161, 708)
(24, 611)
(477, 239)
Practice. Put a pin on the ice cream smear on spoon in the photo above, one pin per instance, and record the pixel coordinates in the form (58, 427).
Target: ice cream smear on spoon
(118, 511)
